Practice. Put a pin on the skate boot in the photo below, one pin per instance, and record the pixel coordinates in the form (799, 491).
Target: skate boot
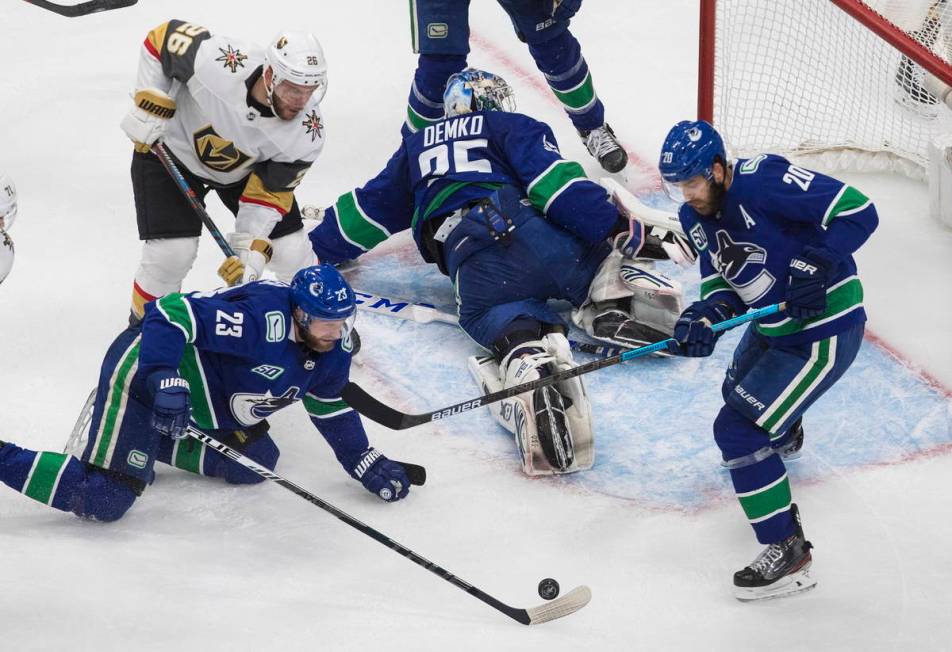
(790, 444)
(781, 569)
(602, 144)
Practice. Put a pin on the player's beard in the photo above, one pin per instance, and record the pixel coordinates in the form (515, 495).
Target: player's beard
(282, 109)
(314, 344)
(710, 206)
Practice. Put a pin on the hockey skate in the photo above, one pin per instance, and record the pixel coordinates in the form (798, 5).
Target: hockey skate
(552, 424)
(782, 568)
(602, 144)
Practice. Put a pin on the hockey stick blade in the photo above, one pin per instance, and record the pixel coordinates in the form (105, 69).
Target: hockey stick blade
(370, 407)
(83, 8)
(568, 604)
(415, 473)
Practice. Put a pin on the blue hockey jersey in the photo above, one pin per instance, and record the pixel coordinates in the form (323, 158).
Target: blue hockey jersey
(454, 162)
(770, 212)
(237, 348)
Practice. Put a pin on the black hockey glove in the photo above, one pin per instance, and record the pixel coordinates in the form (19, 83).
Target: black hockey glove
(810, 275)
(693, 329)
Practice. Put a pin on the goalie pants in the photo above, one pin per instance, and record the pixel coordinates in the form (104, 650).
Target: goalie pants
(766, 389)
(498, 284)
(441, 36)
(118, 461)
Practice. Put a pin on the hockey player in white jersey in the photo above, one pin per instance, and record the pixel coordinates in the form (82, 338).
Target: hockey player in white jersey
(8, 212)
(243, 121)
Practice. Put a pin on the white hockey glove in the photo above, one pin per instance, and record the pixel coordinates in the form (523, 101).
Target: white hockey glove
(252, 256)
(146, 121)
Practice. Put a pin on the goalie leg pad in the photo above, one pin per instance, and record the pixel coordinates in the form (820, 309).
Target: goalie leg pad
(552, 425)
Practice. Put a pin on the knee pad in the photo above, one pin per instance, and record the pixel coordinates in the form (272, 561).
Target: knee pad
(103, 498)
(292, 252)
(263, 451)
(164, 264)
(739, 438)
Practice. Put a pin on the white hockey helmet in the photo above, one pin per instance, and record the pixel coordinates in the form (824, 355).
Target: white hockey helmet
(297, 57)
(8, 201)
(6, 254)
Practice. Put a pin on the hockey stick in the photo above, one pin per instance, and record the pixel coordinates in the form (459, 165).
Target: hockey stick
(373, 409)
(423, 313)
(562, 606)
(163, 155)
(83, 8)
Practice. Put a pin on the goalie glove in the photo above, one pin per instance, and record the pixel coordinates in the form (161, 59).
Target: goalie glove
(248, 265)
(147, 120)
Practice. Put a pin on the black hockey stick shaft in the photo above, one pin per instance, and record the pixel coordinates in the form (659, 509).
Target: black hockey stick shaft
(375, 410)
(163, 155)
(521, 615)
(83, 8)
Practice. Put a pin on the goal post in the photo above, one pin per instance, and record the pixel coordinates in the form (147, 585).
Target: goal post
(839, 84)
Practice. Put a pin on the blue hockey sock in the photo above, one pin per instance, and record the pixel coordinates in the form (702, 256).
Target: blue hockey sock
(560, 60)
(425, 103)
(64, 482)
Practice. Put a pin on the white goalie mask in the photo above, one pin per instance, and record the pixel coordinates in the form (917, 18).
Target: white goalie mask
(297, 58)
(6, 254)
(8, 202)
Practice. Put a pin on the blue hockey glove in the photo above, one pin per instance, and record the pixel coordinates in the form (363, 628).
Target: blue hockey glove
(693, 328)
(171, 406)
(810, 274)
(565, 9)
(381, 476)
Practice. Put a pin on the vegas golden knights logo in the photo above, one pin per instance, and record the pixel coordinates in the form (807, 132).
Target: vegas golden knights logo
(216, 152)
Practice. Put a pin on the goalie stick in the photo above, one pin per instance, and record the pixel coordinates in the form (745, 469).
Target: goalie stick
(370, 407)
(83, 8)
(562, 606)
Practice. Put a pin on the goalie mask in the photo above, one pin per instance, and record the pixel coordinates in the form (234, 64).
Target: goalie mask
(8, 202)
(323, 305)
(477, 90)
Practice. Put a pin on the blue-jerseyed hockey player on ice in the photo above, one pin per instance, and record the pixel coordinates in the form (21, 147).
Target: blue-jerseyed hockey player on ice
(225, 361)
(491, 201)
(440, 30)
(768, 231)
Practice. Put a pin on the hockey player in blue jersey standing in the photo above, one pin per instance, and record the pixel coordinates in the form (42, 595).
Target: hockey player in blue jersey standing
(768, 231)
(440, 31)
(223, 361)
(490, 200)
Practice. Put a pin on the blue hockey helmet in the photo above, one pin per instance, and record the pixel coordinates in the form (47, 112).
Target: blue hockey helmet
(689, 150)
(477, 90)
(322, 293)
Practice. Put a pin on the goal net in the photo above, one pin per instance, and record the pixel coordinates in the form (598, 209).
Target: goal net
(839, 84)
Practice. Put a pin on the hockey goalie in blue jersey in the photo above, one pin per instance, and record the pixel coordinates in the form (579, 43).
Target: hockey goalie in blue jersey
(768, 231)
(223, 361)
(493, 204)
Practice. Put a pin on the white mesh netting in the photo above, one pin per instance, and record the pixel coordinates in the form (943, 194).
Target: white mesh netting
(805, 79)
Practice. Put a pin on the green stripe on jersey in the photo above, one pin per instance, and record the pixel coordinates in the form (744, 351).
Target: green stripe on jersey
(778, 413)
(840, 299)
(848, 200)
(188, 455)
(713, 283)
(190, 368)
(579, 97)
(175, 308)
(548, 185)
(44, 476)
(320, 408)
(356, 227)
(766, 501)
(416, 122)
(115, 404)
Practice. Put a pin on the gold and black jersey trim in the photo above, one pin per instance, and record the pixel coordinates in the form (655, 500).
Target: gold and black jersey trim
(175, 45)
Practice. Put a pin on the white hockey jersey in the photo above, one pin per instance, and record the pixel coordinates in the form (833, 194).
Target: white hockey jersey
(219, 132)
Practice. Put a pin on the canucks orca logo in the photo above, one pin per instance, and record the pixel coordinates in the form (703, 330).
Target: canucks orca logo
(733, 259)
(250, 409)
(734, 256)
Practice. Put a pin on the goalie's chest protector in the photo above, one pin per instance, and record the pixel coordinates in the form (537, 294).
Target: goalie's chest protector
(215, 132)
